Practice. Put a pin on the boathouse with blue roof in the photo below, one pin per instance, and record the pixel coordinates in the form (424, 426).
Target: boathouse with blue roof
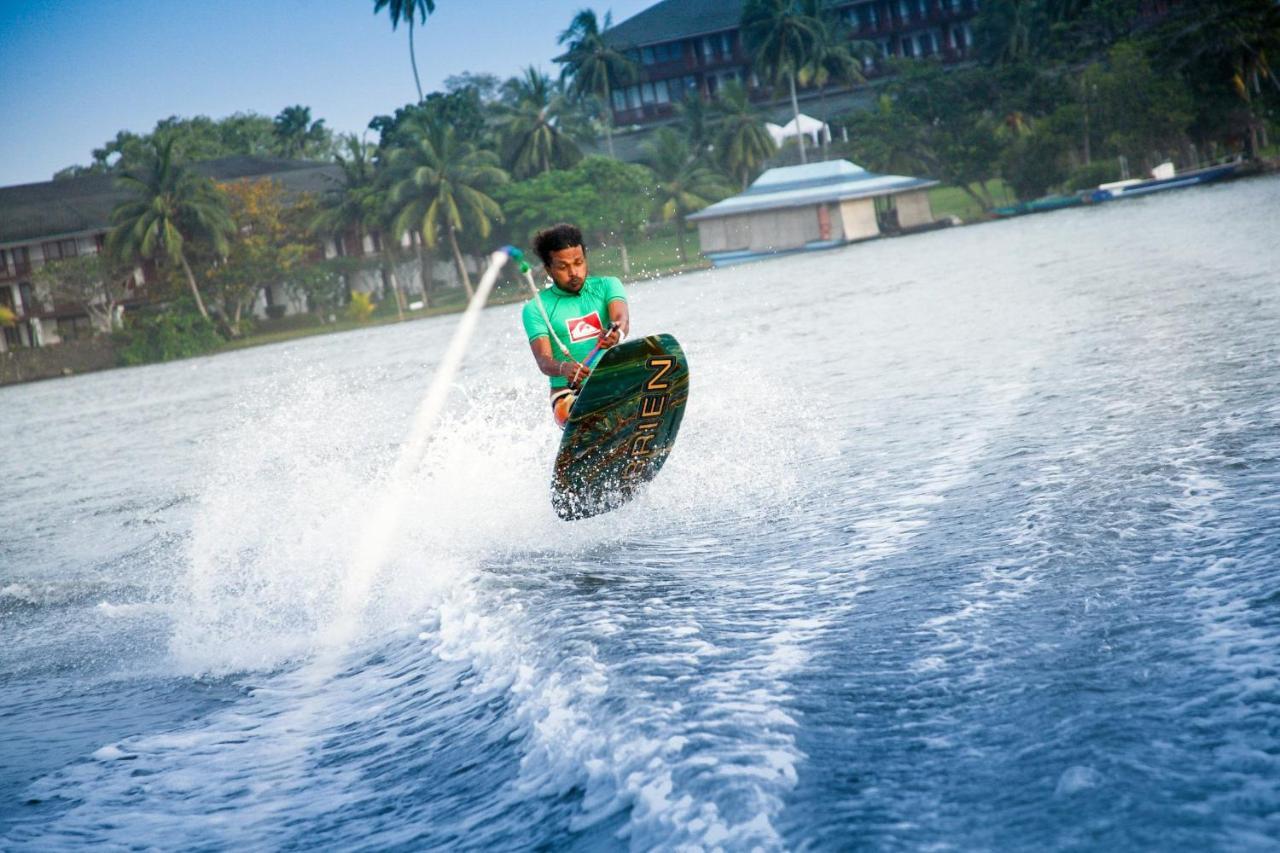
(815, 206)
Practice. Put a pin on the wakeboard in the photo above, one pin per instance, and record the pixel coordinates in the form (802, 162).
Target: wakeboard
(621, 427)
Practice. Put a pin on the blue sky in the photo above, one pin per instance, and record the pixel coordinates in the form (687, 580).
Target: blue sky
(75, 72)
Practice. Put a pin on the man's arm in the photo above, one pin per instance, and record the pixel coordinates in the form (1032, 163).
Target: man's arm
(620, 316)
(547, 363)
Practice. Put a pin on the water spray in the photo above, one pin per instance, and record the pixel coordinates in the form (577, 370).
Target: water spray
(382, 521)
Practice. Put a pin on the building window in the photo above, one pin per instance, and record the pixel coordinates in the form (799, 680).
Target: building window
(661, 92)
(71, 328)
(15, 261)
(659, 53)
(56, 250)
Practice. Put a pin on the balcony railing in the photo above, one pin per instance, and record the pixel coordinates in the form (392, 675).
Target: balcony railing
(15, 270)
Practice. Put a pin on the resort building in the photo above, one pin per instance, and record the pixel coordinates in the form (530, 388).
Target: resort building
(818, 206)
(688, 47)
(65, 218)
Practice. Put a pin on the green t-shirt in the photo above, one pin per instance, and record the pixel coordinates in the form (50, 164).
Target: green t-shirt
(578, 320)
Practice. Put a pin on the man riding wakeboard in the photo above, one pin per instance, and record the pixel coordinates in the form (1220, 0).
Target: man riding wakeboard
(577, 317)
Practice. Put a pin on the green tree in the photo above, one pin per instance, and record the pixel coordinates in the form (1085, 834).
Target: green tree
(407, 10)
(684, 183)
(96, 283)
(194, 139)
(535, 124)
(268, 243)
(1010, 31)
(940, 122)
(462, 109)
(594, 67)
(781, 37)
(246, 133)
(1142, 113)
(440, 183)
(171, 206)
(1035, 159)
(486, 86)
(608, 199)
(742, 145)
(696, 119)
(1227, 45)
(357, 206)
(834, 57)
(297, 136)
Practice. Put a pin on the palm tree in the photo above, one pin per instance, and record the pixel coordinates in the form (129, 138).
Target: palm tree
(742, 143)
(358, 205)
(1010, 30)
(696, 118)
(594, 67)
(438, 183)
(834, 58)
(684, 183)
(171, 207)
(296, 133)
(535, 124)
(780, 36)
(1233, 40)
(406, 10)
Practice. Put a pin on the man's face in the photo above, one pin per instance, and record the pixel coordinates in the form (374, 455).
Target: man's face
(568, 268)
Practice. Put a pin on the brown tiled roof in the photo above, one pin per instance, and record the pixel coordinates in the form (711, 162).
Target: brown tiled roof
(675, 19)
(31, 212)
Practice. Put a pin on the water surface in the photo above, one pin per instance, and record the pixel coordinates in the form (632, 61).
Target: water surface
(969, 541)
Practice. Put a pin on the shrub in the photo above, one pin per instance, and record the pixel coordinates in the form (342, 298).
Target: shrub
(165, 336)
(360, 308)
(1097, 172)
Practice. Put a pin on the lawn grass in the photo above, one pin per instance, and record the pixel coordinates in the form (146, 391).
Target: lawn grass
(444, 301)
(650, 258)
(953, 201)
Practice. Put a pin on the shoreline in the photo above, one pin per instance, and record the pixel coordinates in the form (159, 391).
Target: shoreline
(100, 344)
(1261, 168)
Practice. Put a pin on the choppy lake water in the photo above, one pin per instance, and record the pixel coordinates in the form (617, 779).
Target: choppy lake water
(970, 541)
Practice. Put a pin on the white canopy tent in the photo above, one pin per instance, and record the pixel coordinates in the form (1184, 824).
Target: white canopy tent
(815, 131)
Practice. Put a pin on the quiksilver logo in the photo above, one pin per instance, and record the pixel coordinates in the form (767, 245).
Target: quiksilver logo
(584, 328)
